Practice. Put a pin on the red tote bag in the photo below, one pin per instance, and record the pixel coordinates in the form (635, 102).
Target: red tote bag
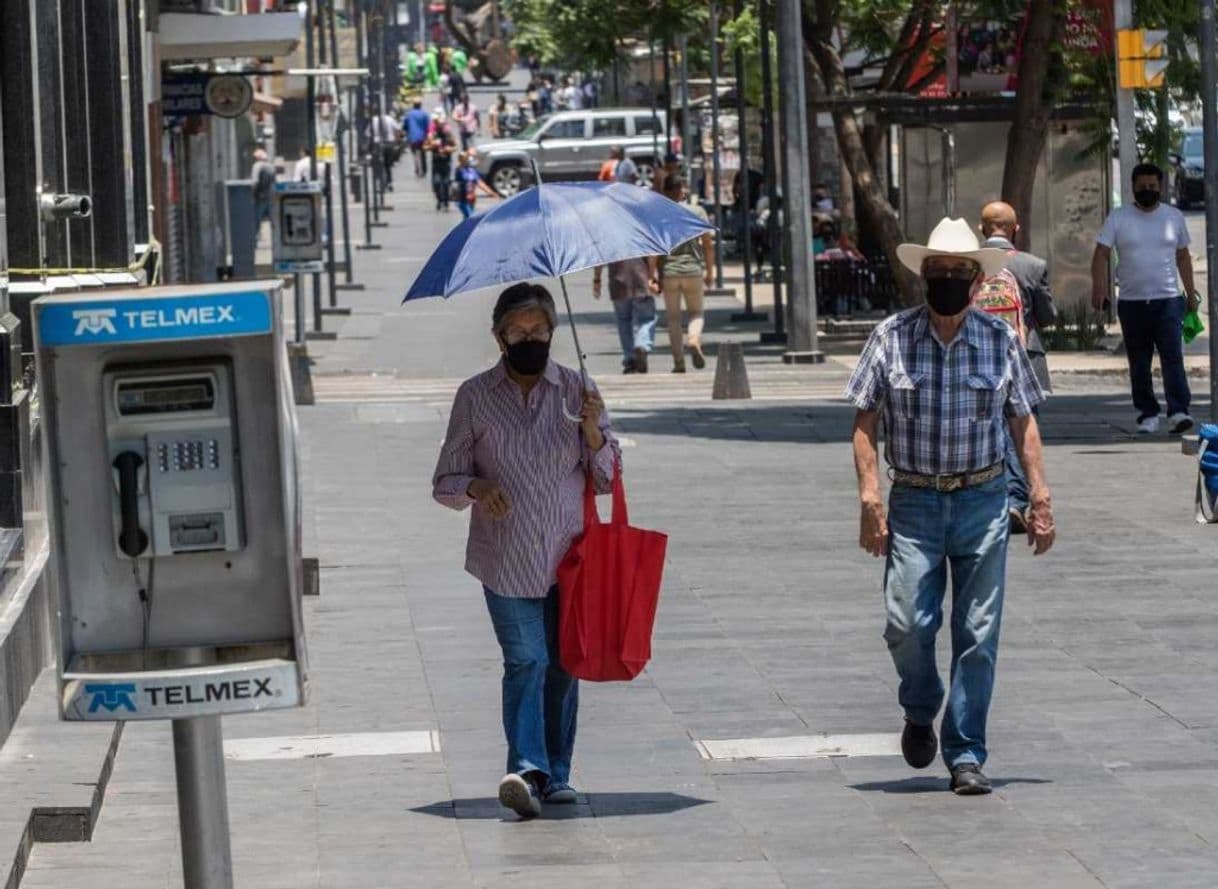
(608, 589)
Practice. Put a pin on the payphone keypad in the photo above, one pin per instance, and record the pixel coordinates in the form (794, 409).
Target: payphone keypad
(188, 455)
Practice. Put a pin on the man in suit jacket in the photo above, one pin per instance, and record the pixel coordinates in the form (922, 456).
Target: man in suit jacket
(999, 226)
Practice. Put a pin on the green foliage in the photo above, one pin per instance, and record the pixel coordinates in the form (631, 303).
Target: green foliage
(587, 34)
(744, 33)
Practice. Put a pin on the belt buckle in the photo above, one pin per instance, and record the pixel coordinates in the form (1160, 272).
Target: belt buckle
(946, 483)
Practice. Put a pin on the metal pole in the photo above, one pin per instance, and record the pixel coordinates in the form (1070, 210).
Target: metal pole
(746, 236)
(1209, 122)
(656, 160)
(1127, 128)
(779, 333)
(797, 200)
(198, 758)
(348, 270)
(311, 101)
(715, 193)
(686, 148)
(298, 306)
(330, 270)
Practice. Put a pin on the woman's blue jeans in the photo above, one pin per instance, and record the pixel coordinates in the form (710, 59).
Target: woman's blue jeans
(636, 325)
(964, 532)
(540, 700)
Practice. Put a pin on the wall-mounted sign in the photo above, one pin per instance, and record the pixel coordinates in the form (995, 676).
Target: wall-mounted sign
(198, 92)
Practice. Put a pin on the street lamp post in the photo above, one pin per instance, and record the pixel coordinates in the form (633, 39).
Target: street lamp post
(797, 200)
(1209, 122)
(773, 236)
(745, 204)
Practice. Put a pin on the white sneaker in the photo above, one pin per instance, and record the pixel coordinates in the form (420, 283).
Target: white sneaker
(1148, 425)
(1179, 423)
(518, 794)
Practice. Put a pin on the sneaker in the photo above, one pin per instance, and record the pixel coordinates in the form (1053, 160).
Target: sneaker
(695, 350)
(640, 360)
(1148, 425)
(559, 793)
(969, 780)
(919, 744)
(1179, 423)
(520, 795)
(1019, 521)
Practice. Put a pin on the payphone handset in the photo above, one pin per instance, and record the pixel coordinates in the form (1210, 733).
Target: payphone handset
(176, 465)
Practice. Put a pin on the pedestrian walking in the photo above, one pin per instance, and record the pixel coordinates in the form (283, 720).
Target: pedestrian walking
(441, 145)
(469, 122)
(496, 118)
(512, 455)
(431, 67)
(262, 175)
(999, 227)
(684, 276)
(949, 383)
(384, 134)
(671, 167)
(632, 290)
(469, 183)
(1151, 241)
(608, 170)
(456, 89)
(418, 122)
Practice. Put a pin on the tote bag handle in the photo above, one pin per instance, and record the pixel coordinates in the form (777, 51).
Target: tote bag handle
(620, 515)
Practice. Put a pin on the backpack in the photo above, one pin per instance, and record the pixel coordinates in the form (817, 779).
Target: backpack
(1207, 474)
(999, 296)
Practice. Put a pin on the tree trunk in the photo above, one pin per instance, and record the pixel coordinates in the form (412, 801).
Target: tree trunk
(872, 204)
(1039, 80)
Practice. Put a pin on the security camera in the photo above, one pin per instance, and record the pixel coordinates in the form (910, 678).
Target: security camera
(55, 207)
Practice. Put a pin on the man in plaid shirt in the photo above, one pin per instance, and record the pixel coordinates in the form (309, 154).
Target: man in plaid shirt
(946, 379)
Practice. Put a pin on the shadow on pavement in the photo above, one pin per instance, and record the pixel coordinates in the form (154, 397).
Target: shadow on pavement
(592, 805)
(927, 784)
(1078, 420)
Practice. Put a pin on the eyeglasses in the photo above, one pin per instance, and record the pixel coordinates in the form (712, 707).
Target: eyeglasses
(515, 335)
(956, 269)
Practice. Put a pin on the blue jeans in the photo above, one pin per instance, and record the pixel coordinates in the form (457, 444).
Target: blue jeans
(1146, 325)
(1017, 479)
(636, 325)
(466, 208)
(540, 700)
(929, 534)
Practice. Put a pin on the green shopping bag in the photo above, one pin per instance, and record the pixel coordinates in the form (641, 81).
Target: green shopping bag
(1192, 326)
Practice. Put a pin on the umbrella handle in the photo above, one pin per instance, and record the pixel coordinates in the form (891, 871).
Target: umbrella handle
(583, 370)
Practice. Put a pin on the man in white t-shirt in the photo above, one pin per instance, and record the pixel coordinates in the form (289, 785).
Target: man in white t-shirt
(1151, 241)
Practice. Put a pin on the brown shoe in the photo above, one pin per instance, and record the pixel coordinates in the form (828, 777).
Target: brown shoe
(678, 367)
(695, 350)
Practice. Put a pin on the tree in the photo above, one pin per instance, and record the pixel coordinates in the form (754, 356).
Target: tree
(1042, 78)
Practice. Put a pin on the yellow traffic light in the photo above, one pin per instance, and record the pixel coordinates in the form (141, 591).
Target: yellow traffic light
(1142, 58)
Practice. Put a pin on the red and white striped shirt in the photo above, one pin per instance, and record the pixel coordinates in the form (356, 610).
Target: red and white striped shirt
(538, 457)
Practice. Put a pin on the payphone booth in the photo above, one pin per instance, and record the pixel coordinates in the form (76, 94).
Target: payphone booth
(174, 506)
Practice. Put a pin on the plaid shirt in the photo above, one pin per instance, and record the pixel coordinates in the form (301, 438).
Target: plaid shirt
(945, 407)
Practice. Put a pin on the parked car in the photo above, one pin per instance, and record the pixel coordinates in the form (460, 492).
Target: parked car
(1188, 170)
(571, 145)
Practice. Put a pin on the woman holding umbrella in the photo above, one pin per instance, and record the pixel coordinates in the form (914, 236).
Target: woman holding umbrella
(514, 454)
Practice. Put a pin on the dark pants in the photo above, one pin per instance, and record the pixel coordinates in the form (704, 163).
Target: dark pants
(1147, 325)
(441, 176)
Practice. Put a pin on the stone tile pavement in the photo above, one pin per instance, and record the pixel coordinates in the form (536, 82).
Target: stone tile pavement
(1104, 726)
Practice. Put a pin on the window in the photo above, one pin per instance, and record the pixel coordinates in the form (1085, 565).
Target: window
(645, 126)
(605, 127)
(566, 129)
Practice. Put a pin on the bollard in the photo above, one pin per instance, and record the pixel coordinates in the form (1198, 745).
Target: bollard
(731, 374)
(301, 373)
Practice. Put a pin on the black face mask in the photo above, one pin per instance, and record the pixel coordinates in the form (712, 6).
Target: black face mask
(528, 357)
(1146, 197)
(948, 296)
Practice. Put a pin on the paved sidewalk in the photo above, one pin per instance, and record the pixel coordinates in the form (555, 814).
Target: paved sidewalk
(1104, 727)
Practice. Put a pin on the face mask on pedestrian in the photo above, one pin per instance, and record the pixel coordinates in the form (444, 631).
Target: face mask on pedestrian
(471, 162)
(948, 296)
(1146, 197)
(527, 357)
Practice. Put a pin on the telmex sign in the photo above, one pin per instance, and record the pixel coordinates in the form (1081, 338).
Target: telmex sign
(138, 320)
(169, 695)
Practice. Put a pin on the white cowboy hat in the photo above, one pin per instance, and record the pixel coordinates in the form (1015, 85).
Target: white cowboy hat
(953, 237)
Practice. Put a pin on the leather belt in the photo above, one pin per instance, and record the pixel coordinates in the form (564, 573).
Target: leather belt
(947, 483)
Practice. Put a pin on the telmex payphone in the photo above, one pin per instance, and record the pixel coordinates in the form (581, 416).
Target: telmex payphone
(170, 431)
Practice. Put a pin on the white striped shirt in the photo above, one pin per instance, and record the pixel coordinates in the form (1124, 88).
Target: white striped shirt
(540, 460)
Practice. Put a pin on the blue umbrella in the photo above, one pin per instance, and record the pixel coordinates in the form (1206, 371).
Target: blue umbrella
(553, 230)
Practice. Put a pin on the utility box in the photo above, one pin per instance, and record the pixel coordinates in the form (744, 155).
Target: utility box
(174, 501)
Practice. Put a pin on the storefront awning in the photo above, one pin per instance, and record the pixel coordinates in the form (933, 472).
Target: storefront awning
(186, 36)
